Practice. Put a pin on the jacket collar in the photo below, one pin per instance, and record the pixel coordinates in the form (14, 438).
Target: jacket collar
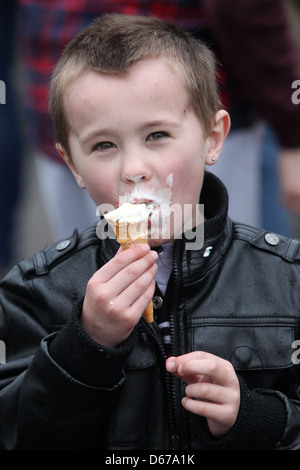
(217, 232)
(214, 197)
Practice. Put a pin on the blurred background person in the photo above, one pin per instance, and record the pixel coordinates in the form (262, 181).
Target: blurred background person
(45, 28)
(259, 53)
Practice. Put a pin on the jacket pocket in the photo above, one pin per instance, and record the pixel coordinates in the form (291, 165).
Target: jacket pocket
(249, 344)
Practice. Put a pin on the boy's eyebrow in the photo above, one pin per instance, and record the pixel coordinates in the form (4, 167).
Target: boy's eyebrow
(106, 131)
(85, 139)
(161, 122)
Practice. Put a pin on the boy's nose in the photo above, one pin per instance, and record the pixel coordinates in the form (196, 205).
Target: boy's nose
(135, 179)
(135, 170)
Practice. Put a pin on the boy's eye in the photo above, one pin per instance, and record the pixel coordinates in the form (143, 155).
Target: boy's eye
(157, 135)
(104, 146)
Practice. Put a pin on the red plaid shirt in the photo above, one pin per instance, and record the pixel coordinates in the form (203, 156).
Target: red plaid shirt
(46, 26)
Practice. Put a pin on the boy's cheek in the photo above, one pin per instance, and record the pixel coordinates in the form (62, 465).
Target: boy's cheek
(97, 187)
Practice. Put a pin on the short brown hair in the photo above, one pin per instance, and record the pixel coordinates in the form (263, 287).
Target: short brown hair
(113, 43)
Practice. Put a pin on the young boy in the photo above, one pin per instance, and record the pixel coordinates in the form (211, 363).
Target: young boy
(136, 115)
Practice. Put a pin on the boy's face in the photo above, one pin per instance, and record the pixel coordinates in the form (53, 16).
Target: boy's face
(136, 136)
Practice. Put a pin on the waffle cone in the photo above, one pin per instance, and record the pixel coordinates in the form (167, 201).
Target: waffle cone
(148, 313)
(129, 234)
(129, 243)
(132, 233)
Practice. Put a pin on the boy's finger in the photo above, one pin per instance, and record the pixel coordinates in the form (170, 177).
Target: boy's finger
(141, 302)
(121, 260)
(217, 369)
(134, 276)
(200, 363)
(137, 288)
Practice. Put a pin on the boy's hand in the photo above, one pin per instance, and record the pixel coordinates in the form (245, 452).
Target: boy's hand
(117, 295)
(213, 388)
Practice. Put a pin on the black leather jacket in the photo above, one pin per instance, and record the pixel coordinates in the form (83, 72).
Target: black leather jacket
(239, 300)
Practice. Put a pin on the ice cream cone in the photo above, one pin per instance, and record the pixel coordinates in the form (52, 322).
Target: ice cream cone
(131, 230)
(148, 313)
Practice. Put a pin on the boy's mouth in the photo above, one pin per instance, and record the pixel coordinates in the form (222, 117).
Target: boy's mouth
(147, 202)
(156, 197)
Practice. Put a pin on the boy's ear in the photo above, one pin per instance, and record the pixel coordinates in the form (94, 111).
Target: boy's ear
(64, 155)
(217, 136)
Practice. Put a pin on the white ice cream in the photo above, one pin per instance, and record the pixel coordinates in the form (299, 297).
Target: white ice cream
(130, 221)
(129, 213)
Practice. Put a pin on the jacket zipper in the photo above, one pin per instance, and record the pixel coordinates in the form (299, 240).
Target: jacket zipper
(172, 385)
(171, 391)
(175, 429)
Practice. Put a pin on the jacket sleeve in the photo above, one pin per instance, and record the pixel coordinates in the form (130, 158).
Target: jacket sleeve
(267, 420)
(44, 403)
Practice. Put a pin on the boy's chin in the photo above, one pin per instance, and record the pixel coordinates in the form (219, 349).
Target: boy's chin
(158, 242)
(156, 239)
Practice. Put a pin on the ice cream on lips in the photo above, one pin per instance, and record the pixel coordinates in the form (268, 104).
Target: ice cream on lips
(130, 222)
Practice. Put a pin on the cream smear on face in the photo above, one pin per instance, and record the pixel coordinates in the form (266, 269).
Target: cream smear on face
(160, 200)
(129, 213)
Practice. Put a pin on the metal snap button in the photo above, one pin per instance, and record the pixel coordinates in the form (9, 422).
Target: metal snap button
(272, 239)
(157, 302)
(63, 245)
(207, 251)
